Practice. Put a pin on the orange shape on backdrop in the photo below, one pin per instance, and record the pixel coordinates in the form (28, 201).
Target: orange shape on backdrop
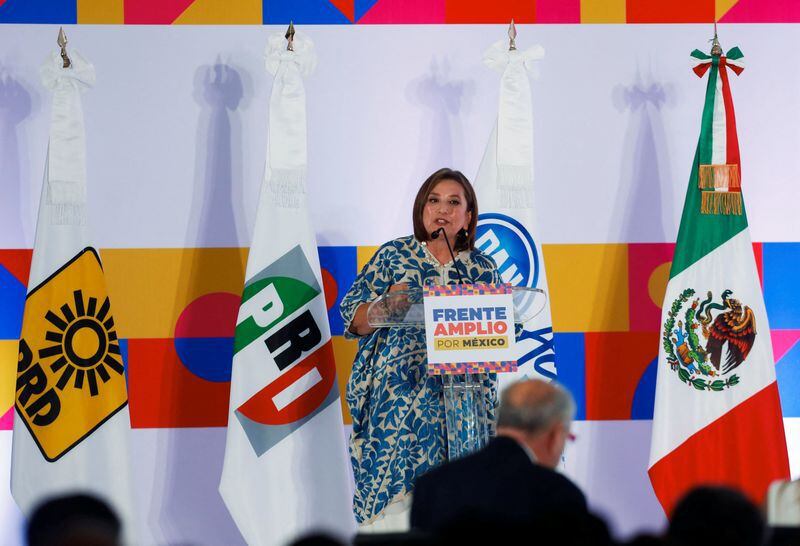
(602, 11)
(499, 11)
(670, 11)
(344, 352)
(101, 12)
(151, 287)
(721, 7)
(222, 12)
(615, 362)
(588, 287)
(9, 354)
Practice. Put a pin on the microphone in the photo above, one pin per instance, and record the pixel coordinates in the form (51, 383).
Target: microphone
(435, 235)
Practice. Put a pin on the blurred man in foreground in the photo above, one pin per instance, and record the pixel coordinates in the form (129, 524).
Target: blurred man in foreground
(512, 481)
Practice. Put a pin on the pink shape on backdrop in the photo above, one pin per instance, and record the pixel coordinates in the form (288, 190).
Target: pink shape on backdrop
(783, 341)
(7, 420)
(643, 259)
(558, 11)
(211, 315)
(763, 11)
(405, 12)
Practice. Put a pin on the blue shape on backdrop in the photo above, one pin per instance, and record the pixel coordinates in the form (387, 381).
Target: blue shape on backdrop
(12, 304)
(363, 6)
(788, 372)
(571, 368)
(302, 12)
(61, 12)
(123, 352)
(645, 395)
(781, 295)
(209, 358)
(340, 262)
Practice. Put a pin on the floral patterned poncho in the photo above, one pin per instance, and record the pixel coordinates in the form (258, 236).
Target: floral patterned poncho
(397, 408)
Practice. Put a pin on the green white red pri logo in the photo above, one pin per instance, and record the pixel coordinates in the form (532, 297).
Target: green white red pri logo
(279, 326)
(706, 340)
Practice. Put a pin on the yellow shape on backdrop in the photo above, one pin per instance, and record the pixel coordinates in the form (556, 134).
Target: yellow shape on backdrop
(344, 351)
(657, 283)
(101, 12)
(721, 7)
(603, 11)
(588, 287)
(363, 255)
(151, 287)
(9, 351)
(222, 12)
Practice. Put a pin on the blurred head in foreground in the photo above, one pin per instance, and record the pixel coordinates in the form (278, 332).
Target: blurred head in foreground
(538, 415)
(73, 520)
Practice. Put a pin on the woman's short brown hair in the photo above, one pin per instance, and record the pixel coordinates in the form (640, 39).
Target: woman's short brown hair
(462, 243)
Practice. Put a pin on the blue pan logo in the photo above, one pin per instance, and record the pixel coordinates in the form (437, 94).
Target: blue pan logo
(511, 246)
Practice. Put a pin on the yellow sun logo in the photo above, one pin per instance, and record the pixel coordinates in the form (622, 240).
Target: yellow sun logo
(70, 376)
(86, 345)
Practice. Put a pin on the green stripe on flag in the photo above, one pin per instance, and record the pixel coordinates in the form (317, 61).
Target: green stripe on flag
(700, 234)
(293, 295)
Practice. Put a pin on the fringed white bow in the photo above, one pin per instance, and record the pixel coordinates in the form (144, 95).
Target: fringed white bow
(514, 119)
(66, 160)
(287, 145)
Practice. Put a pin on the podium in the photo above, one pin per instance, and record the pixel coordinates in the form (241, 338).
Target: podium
(466, 392)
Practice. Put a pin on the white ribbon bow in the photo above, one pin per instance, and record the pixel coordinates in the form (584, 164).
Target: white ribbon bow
(66, 165)
(287, 145)
(515, 113)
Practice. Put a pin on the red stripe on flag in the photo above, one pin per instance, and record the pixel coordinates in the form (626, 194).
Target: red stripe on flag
(744, 449)
(732, 141)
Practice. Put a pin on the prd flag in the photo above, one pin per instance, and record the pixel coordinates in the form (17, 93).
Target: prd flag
(504, 185)
(286, 465)
(71, 425)
(717, 412)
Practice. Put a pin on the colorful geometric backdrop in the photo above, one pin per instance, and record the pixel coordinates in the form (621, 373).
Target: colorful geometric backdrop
(176, 309)
(256, 12)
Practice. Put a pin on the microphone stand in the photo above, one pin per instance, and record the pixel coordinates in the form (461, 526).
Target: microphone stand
(435, 235)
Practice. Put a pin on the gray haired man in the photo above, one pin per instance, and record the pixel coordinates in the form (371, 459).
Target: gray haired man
(511, 481)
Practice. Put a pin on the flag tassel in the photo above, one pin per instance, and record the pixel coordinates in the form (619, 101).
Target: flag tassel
(721, 202)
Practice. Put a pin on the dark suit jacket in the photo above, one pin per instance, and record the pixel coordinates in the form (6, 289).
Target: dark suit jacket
(498, 485)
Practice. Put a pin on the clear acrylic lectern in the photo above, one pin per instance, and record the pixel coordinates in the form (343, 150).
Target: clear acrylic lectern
(466, 395)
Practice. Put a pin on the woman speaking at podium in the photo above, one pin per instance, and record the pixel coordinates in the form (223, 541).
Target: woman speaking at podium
(397, 408)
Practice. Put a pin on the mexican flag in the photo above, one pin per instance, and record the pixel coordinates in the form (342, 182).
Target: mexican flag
(507, 221)
(286, 467)
(71, 427)
(717, 413)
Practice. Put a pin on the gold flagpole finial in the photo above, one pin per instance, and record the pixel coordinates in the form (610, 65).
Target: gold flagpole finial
(512, 36)
(290, 37)
(716, 49)
(62, 43)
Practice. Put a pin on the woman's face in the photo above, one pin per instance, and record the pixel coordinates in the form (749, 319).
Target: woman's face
(446, 207)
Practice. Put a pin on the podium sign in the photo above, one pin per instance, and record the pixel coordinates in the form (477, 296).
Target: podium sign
(469, 328)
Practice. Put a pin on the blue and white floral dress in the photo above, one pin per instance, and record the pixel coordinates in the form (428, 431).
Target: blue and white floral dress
(397, 408)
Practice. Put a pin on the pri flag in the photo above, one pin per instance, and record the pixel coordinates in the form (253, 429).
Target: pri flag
(285, 470)
(507, 222)
(71, 426)
(717, 412)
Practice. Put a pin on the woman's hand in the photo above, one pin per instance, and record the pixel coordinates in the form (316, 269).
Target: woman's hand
(360, 324)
